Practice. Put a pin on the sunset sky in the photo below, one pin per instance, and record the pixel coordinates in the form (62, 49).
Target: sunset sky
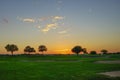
(60, 24)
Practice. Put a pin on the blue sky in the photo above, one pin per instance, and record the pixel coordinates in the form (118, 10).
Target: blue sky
(60, 24)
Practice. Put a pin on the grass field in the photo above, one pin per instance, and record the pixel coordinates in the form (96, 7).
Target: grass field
(57, 67)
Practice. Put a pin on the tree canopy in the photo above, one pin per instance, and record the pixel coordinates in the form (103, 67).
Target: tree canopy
(11, 48)
(42, 48)
(29, 49)
(77, 49)
(104, 51)
(93, 52)
(84, 50)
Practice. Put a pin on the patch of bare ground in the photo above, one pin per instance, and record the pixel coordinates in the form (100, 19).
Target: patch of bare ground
(112, 73)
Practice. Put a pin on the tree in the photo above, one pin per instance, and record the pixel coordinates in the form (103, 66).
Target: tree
(11, 48)
(29, 49)
(42, 48)
(104, 51)
(32, 50)
(84, 50)
(93, 52)
(77, 49)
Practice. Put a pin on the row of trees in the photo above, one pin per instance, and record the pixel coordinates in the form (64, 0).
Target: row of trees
(28, 49)
(78, 49)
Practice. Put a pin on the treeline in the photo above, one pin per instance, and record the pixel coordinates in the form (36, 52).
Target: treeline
(42, 48)
(27, 50)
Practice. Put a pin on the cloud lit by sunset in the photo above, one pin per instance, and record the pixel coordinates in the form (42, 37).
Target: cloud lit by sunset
(49, 26)
(58, 18)
(28, 20)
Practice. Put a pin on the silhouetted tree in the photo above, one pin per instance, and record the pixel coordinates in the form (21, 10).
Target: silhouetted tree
(93, 52)
(104, 51)
(29, 49)
(84, 50)
(42, 48)
(77, 49)
(32, 50)
(117, 53)
(11, 48)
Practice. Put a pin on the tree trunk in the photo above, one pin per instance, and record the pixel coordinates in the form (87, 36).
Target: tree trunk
(12, 53)
(77, 54)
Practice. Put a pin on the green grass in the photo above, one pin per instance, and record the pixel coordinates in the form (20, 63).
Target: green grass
(56, 67)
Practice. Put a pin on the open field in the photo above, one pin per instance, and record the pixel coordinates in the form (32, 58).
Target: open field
(57, 67)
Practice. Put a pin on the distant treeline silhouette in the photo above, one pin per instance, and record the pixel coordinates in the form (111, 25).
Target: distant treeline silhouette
(28, 49)
(42, 48)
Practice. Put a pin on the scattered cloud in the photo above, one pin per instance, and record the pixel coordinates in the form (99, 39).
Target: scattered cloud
(52, 25)
(29, 20)
(45, 29)
(64, 33)
(51, 18)
(49, 26)
(47, 23)
(39, 26)
(54, 22)
(58, 17)
(44, 18)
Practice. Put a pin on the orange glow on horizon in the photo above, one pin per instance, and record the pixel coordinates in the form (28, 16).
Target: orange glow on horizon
(56, 51)
(60, 49)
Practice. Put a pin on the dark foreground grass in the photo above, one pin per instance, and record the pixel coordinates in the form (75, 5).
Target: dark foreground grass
(62, 67)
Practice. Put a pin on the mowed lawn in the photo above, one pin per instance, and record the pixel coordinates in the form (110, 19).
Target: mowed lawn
(57, 67)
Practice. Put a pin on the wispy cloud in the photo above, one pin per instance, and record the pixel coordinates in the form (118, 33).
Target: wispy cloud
(52, 25)
(58, 17)
(29, 20)
(51, 18)
(47, 22)
(45, 29)
(49, 26)
(64, 33)
(55, 22)
(44, 18)
(39, 26)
